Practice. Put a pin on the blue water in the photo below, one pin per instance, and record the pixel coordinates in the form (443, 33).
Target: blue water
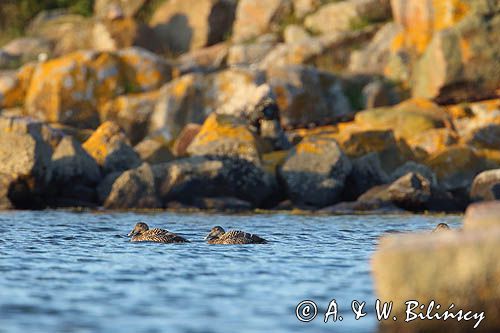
(77, 272)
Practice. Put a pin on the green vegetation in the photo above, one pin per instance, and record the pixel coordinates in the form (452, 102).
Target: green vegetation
(16, 14)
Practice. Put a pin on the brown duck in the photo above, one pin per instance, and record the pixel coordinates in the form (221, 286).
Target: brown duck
(142, 233)
(218, 236)
(441, 227)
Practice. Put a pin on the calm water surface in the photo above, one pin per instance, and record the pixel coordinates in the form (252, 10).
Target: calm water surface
(77, 272)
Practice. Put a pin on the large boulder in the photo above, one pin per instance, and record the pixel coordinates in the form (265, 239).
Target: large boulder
(366, 173)
(134, 189)
(255, 17)
(111, 150)
(184, 25)
(25, 154)
(182, 142)
(153, 151)
(459, 268)
(74, 174)
(461, 62)
(198, 177)
(315, 172)
(348, 15)
(486, 186)
(227, 136)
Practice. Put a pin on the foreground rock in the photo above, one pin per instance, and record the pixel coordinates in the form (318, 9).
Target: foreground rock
(484, 215)
(187, 179)
(447, 267)
(486, 186)
(315, 172)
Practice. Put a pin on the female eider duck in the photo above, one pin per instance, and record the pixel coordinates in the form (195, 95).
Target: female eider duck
(142, 233)
(218, 236)
(441, 227)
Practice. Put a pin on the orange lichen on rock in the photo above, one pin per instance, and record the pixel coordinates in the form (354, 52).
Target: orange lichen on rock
(13, 89)
(98, 144)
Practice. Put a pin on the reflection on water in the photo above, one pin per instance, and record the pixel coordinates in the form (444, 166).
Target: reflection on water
(70, 272)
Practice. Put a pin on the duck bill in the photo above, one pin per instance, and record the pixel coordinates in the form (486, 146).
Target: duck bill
(209, 237)
(132, 233)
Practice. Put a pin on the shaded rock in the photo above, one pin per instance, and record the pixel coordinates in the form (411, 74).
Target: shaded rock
(460, 62)
(193, 24)
(376, 94)
(255, 17)
(134, 189)
(357, 207)
(228, 136)
(483, 215)
(105, 186)
(315, 171)
(411, 191)
(110, 149)
(5, 188)
(25, 155)
(114, 9)
(448, 267)
(306, 96)
(223, 204)
(153, 151)
(186, 179)
(413, 167)
(456, 167)
(272, 162)
(486, 186)
(486, 137)
(348, 14)
(132, 113)
(184, 139)
(366, 173)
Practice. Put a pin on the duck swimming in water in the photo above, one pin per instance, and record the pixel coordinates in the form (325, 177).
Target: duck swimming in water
(142, 233)
(219, 236)
(441, 227)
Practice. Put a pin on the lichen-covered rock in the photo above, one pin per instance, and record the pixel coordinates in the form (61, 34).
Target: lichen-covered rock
(153, 151)
(294, 33)
(348, 15)
(132, 113)
(25, 155)
(115, 9)
(248, 53)
(255, 17)
(486, 186)
(27, 49)
(305, 95)
(315, 171)
(433, 141)
(109, 147)
(192, 24)
(74, 175)
(13, 86)
(208, 59)
(68, 90)
(198, 177)
(226, 136)
(303, 7)
(134, 189)
(407, 119)
(456, 166)
(5, 192)
(143, 70)
(461, 62)
(184, 139)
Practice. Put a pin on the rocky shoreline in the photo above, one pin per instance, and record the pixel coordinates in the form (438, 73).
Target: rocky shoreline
(219, 114)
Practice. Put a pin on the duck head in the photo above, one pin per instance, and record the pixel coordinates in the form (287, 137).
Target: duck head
(441, 227)
(216, 232)
(139, 228)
